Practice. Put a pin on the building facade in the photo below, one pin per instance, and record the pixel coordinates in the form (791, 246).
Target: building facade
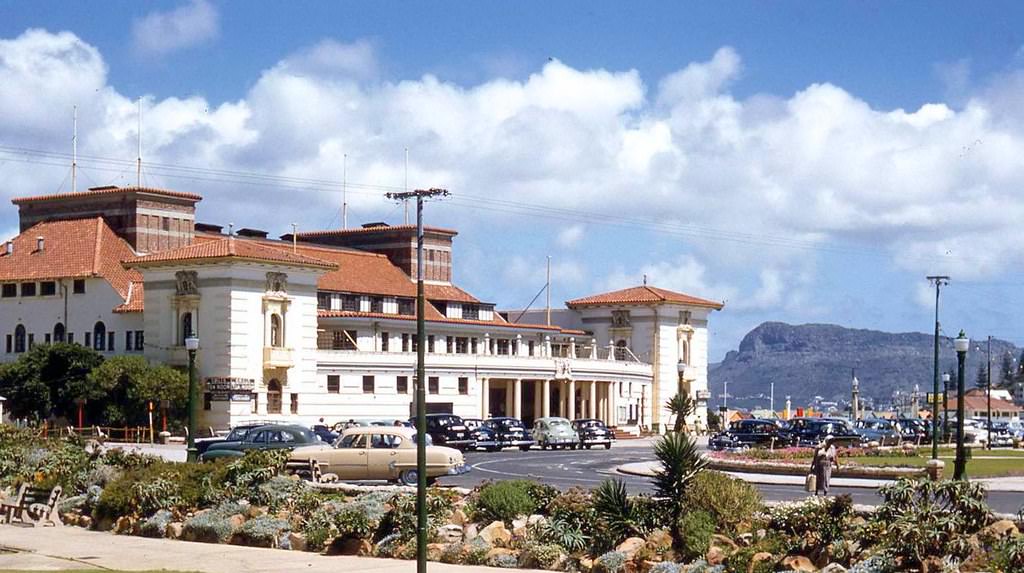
(322, 324)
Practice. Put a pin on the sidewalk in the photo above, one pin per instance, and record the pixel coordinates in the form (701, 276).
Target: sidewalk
(50, 549)
(647, 469)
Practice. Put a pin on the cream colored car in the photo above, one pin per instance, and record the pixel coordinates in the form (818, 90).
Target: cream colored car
(379, 453)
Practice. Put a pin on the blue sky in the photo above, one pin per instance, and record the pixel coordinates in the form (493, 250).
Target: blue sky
(806, 162)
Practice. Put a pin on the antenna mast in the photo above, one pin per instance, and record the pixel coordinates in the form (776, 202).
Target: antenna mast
(74, 151)
(548, 289)
(406, 201)
(344, 191)
(138, 161)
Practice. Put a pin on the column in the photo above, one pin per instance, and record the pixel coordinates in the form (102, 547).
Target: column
(571, 397)
(517, 398)
(572, 347)
(485, 397)
(547, 346)
(508, 398)
(545, 404)
(537, 409)
(487, 343)
(602, 410)
(611, 350)
(593, 348)
(613, 403)
(519, 345)
(592, 401)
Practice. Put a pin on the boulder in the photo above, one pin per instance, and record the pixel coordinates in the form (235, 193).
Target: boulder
(236, 520)
(297, 541)
(434, 551)
(450, 533)
(469, 531)
(745, 539)
(519, 523)
(630, 546)
(758, 558)
(499, 551)
(715, 556)
(798, 563)
(724, 542)
(123, 525)
(586, 564)
(174, 529)
(833, 568)
(998, 530)
(256, 511)
(933, 565)
(535, 519)
(496, 534)
(85, 521)
(350, 546)
(459, 517)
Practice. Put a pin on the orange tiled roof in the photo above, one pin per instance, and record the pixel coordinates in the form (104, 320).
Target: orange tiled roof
(108, 191)
(432, 315)
(643, 295)
(361, 230)
(447, 292)
(360, 272)
(78, 248)
(136, 298)
(976, 402)
(230, 248)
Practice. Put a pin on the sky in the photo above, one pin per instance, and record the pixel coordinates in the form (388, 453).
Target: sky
(803, 162)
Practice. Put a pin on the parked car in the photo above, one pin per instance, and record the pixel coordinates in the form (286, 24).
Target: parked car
(237, 434)
(879, 431)
(484, 438)
(325, 433)
(809, 432)
(447, 430)
(554, 433)
(593, 432)
(510, 433)
(915, 430)
(1000, 433)
(379, 453)
(974, 432)
(754, 433)
(269, 437)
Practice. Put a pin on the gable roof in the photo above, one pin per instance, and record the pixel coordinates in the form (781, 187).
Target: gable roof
(229, 248)
(643, 294)
(78, 248)
(110, 190)
(980, 402)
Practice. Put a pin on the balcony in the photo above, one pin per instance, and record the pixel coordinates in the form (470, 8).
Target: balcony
(274, 357)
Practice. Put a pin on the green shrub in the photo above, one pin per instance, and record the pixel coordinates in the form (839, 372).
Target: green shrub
(161, 485)
(564, 534)
(667, 567)
(128, 459)
(541, 556)
(542, 493)
(819, 521)
(244, 475)
(506, 500)
(454, 554)
(620, 516)
(741, 561)
(212, 526)
(1007, 554)
(334, 519)
(401, 518)
(730, 501)
(156, 525)
(476, 551)
(504, 561)
(264, 531)
(695, 528)
(387, 546)
(611, 562)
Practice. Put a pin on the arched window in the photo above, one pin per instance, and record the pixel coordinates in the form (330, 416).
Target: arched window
(274, 397)
(275, 330)
(19, 338)
(58, 332)
(684, 351)
(186, 328)
(99, 336)
(620, 350)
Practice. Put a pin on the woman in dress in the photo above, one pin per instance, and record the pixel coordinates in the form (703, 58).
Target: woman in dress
(825, 456)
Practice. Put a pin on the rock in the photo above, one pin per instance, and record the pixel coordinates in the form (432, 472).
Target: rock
(761, 534)
(469, 532)
(434, 551)
(519, 523)
(745, 539)
(659, 540)
(496, 534)
(450, 533)
(105, 524)
(724, 542)
(297, 541)
(586, 564)
(535, 519)
(69, 518)
(757, 558)
(85, 521)
(998, 530)
(123, 525)
(715, 556)
(932, 565)
(797, 563)
(630, 546)
(256, 511)
(833, 568)
(499, 551)
(350, 546)
(459, 517)
(236, 520)
(174, 529)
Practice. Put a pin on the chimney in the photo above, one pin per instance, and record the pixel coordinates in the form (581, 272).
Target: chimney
(40, 243)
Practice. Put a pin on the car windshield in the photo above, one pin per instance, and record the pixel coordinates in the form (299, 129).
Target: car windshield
(446, 421)
(589, 424)
(558, 423)
(509, 423)
(238, 434)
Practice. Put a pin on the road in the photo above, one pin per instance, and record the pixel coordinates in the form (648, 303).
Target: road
(588, 468)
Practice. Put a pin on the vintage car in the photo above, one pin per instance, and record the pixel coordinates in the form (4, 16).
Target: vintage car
(379, 453)
(483, 437)
(593, 432)
(237, 434)
(510, 433)
(447, 430)
(809, 432)
(915, 430)
(554, 433)
(753, 433)
(268, 437)
(879, 431)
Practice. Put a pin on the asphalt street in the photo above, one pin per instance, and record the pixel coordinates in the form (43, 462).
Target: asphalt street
(588, 468)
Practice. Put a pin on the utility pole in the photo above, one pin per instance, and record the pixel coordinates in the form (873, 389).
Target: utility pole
(771, 400)
(547, 290)
(939, 281)
(420, 381)
(988, 387)
(74, 151)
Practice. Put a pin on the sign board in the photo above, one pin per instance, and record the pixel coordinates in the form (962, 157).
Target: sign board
(225, 388)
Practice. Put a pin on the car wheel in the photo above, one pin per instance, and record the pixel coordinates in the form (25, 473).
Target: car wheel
(608, 446)
(524, 448)
(408, 477)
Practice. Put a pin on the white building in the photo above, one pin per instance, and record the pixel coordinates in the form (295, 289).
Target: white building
(323, 324)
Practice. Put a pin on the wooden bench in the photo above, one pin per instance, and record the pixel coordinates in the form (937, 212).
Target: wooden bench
(33, 506)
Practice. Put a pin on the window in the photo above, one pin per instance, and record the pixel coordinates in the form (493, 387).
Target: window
(186, 328)
(99, 336)
(333, 383)
(79, 286)
(530, 345)
(58, 332)
(10, 290)
(474, 346)
(88, 339)
(503, 346)
(110, 341)
(128, 346)
(406, 307)
(140, 339)
(433, 384)
(415, 342)
(405, 342)
(295, 404)
(323, 300)
(368, 385)
(470, 312)
(207, 401)
(10, 343)
(350, 302)
(28, 289)
(46, 338)
(376, 304)
(620, 318)
(274, 397)
(384, 338)
(71, 338)
(515, 347)
(47, 288)
(31, 340)
(19, 338)
(348, 340)
(449, 344)
(275, 331)
(463, 386)
(403, 384)
(620, 350)
(461, 345)
(430, 343)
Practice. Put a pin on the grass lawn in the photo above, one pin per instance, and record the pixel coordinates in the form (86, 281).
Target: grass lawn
(994, 463)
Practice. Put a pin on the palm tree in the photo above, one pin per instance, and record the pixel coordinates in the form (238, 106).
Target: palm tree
(680, 463)
(681, 405)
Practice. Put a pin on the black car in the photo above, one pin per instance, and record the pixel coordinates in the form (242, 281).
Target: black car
(448, 430)
(754, 433)
(593, 432)
(809, 432)
(483, 436)
(237, 434)
(510, 433)
(325, 433)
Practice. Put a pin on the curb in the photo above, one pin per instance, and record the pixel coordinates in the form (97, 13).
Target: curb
(642, 469)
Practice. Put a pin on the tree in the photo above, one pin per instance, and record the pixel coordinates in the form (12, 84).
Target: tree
(680, 463)
(47, 379)
(981, 379)
(1006, 370)
(123, 385)
(681, 405)
(714, 421)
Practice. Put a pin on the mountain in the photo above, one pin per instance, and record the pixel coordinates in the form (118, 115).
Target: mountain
(811, 360)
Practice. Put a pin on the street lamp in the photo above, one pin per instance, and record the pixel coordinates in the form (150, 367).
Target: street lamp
(192, 344)
(945, 406)
(962, 344)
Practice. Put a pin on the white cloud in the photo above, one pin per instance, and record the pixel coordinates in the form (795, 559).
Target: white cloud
(183, 27)
(684, 274)
(570, 236)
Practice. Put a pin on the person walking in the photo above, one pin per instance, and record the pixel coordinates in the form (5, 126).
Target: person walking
(825, 456)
